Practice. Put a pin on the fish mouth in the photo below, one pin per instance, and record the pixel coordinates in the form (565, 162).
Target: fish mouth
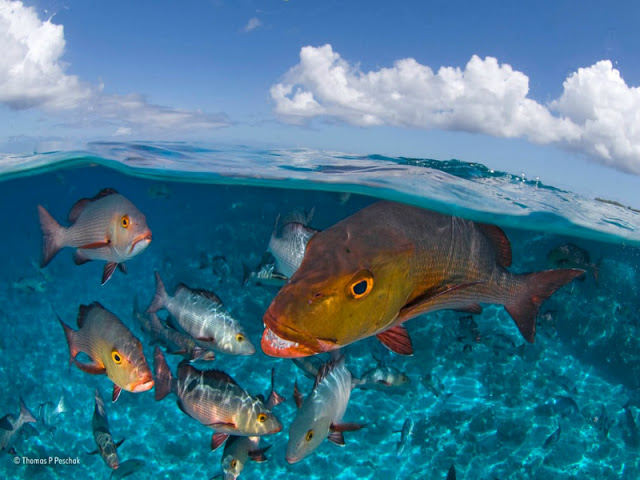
(142, 386)
(143, 237)
(274, 345)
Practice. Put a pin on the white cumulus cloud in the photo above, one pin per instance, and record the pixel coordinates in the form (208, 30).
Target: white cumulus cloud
(252, 24)
(33, 75)
(597, 114)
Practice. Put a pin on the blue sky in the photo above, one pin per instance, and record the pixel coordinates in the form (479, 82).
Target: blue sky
(549, 89)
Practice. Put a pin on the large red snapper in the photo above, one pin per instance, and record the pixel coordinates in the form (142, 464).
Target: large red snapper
(112, 348)
(106, 227)
(390, 262)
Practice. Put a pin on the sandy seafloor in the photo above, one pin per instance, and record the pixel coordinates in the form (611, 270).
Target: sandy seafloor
(500, 399)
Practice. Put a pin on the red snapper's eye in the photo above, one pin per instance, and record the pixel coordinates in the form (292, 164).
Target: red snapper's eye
(360, 285)
(125, 222)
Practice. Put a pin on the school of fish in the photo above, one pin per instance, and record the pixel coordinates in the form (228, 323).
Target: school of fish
(364, 276)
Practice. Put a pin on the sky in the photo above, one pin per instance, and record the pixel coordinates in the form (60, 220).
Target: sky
(549, 89)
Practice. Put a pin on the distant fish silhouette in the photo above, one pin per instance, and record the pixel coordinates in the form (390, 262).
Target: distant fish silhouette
(451, 475)
(552, 439)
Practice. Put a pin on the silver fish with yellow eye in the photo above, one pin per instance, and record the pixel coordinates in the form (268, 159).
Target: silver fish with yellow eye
(112, 348)
(320, 415)
(201, 315)
(237, 452)
(106, 227)
(215, 399)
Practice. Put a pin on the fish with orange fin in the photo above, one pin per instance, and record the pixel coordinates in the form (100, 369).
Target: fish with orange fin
(106, 227)
(319, 416)
(112, 348)
(214, 399)
(390, 262)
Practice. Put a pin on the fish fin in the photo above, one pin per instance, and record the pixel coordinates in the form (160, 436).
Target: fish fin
(258, 455)
(71, 336)
(199, 353)
(246, 274)
(383, 382)
(122, 267)
(500, 242)
(397, 340)
(92, 453)
(274, 397)
(52, 236)
(109, 268)
(337, 438)
(347, 427)
(83, 313)
(120, 442)
(208, 295)
(424, 302)
(297, 396)
(91, 368)
(5, 423)
(25, 414)
(206, 339)
(451, 475)
(116, 393)
(160, 298)
(531, 292)
(217, 440)
(472, 308)
(80, 258)
(95, 245)
(218, 375)
(77, 209)
(164, 379)
(326, 368)
(105, 192)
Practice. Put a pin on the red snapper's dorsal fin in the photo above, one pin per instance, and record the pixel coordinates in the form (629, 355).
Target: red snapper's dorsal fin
(105, 192)
(500, 242)
(81, 204)
(208, 295)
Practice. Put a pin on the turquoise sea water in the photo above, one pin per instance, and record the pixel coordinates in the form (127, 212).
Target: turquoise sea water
(481, 398)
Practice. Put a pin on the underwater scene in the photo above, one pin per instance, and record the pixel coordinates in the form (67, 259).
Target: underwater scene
(175, 311)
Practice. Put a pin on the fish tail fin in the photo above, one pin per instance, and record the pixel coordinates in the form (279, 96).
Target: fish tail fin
(52, 236)
(160, 298)
(533, 290)
(164, 379)
(25, 414)
(71, 336)
(63, 406)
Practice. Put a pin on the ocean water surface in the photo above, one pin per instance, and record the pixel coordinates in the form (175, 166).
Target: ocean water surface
(480, 397)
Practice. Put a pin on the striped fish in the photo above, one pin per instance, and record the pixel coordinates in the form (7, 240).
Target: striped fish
(107, 448)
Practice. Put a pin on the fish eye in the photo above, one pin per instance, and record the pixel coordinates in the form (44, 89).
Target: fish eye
(240, 338)
(116, 357)
(233, 463)
(309, 436)
(125, 222)
(262, 417)
(360, 285)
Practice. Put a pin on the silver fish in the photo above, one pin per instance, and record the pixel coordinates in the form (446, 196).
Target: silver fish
(288, 244)
(201, 315)
(106, 227)
(214, 399)
(382, 378)
(10, 426)
(107, 448)
(237, 452)
(49, 413)
(552, 439)
(406, 436)
(320, 415)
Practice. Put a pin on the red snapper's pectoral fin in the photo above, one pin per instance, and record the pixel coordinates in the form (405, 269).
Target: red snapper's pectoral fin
(437, 298)
(397, 340)
(116, 393)
(92, 368)
(94, 245)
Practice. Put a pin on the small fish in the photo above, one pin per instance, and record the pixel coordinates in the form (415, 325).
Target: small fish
(237, 451)
(389, 263)
(106, 227)
(215, 400)
(49, 414)
(569, 255)
(433, 383)
(382, 378)
(288, 244)
(176, 341)
(320, 415)
(552, 439)
(107, 448)
(159, 190)
(451, 474)
(264, 275)
(599, 419)
(112, 348)
(406, 435)
(201, 315)
(126, 468)
(10, 426)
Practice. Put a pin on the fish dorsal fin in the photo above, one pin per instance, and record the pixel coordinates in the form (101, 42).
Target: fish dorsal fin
(326, 368)
(500, 242)
(218, 375)
(208, 295)
(77, 209)
(297, 396)
(84, 310)
(105, 192)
